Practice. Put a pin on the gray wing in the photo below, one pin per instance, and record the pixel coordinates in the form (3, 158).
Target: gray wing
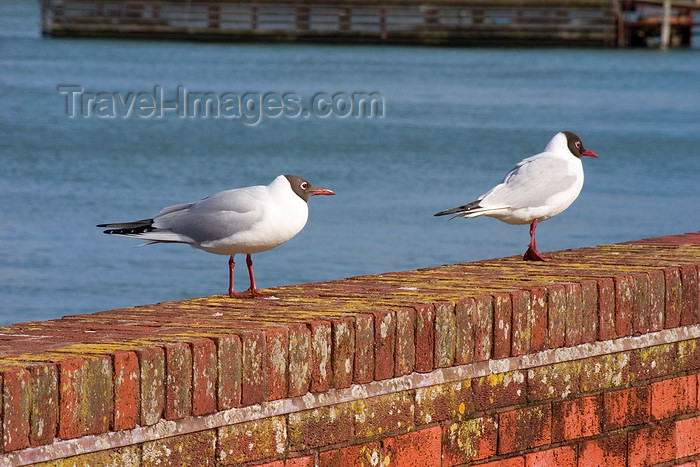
(215, 217)
(531, 183)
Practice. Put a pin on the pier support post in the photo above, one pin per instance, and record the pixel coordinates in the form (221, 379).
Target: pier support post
(666, 25)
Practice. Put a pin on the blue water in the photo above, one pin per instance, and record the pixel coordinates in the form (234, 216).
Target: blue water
(455, 120)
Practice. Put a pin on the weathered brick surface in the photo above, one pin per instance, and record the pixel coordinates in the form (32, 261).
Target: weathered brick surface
(162, 370)
(152, 388)
(383, 414)
(127, 395)
(228, 359)
(178, 390)
(524, 428)
(321, 427)
(470, 440)
(577, 418)
(599, 452)
(626, 407)
(251, 441)
(499, 390)
(418, 448)
(361, 455)
(44, 403)
(276, 363)
(204, 376)
(190, 449)
(15, 409)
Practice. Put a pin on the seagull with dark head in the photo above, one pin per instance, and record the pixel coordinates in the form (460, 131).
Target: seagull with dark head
(243, 220)
(536, 189)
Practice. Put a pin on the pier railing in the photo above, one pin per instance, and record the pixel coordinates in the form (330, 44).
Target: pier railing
(503, 22)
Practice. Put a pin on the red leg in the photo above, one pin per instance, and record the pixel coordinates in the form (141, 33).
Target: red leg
(253, 289)
(231, 265)
(532, 254)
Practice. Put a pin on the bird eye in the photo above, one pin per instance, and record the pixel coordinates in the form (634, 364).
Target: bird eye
(578, 144)
(304, 185)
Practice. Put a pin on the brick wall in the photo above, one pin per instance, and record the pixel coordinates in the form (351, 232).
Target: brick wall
(592, 358)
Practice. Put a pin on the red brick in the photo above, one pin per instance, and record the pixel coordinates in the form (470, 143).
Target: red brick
(127, 397)
(43, 394)
(626, 407)
(418, 448)
(253, 352)
(522, 331)
(343, 334)
(152, 364)
(98, 396)
(384, 343)
(15, 409)
(361, 455)
(659, 361)
(383, 414)
(483, 328)
(204, 376)
(443, 402)
(499, 390)
(228, 356)
(555, 381)
(425, 338)
(306, 461)
(689, 296)
(672, 298)
(251, 441)
(405, 358)
(502, 327)
(651, 445)
(606, 308)
(469, 440)
(325, 426)
(577, 418)
(464, 332)
(574, 314)
(512, 462)
(556, 311)
(674, 396)
(624, 293)
(657, 293)
(276, 363)
(539, 338)
(71, 386)
(564, 456)
(589, 311)
(178, 390)
(524, 428)
(687, 437)
(191, 449)
(445, 335)
(364, 349)
(271, 464)
(321, 346)
(641, 319)
(611, 451)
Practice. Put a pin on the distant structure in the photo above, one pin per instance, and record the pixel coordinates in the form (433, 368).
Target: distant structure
(427, 22)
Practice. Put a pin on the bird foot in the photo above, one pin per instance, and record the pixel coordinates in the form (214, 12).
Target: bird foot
(255, 292)
(533, 255)
(235, 295)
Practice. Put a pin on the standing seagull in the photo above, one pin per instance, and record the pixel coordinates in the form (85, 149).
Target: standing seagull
(244, 220)
(536, 189)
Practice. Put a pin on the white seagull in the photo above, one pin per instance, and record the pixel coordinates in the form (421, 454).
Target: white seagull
(243, 220)
(536, 189)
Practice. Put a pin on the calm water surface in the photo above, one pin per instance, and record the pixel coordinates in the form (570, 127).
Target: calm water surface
(455, 120)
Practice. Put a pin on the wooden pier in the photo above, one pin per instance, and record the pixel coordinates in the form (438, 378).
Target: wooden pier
(433, 22)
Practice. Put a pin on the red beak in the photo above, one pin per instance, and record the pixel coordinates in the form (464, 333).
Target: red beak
(589, 153)
(322, 191)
